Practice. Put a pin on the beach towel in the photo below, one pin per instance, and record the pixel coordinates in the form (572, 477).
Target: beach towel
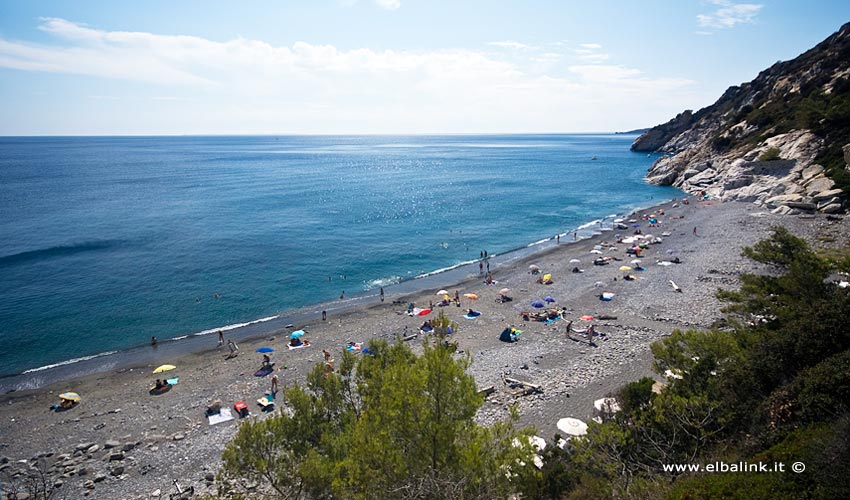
(262, 372)
(474, 315)
(355, 347)
(551, 320)
(266, 402)
(304, 344)
(223, 416)
(173, 381)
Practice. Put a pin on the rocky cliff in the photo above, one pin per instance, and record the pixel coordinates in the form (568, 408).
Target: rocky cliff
(781, 140)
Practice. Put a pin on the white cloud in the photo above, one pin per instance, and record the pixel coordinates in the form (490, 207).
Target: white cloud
(591, 46)
(250, 86)
(729, 14)
(588, 52)
(510, 44)
(388, 4)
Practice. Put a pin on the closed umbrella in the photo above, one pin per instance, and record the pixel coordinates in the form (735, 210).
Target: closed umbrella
(572, 426)
(538, 304)
(164, 368)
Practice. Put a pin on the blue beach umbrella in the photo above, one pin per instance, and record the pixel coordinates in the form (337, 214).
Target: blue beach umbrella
(549, 299)
(265, 349)
(671, 251)
(635, 225)
(537, 304)
(296, 334)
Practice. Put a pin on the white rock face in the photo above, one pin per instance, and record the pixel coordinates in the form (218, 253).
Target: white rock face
(790, 184)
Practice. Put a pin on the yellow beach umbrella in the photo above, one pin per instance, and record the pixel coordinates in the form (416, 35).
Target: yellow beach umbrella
(164, 368)
(70, 396)
(625, 268)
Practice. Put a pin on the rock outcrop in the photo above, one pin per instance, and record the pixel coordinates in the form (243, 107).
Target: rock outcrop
(777, 141)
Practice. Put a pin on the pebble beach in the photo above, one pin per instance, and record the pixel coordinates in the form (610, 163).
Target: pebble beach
(120, 442)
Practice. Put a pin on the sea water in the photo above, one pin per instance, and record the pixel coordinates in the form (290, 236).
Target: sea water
(106, 242)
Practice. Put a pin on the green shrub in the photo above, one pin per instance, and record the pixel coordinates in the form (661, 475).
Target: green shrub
(770, 155)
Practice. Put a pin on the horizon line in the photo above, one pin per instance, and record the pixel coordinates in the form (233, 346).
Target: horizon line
(323, 134)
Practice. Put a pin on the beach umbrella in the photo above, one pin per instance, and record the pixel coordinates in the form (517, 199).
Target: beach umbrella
(665, 263)
(70, 396)
(443, 292)
(671, 251)
(607, 296)
(164, 368)
(607, 405)
(504, 291)
(598, 284)
(449, 330)
(619, 220)
(550, 299)
(538, 304)
(572, 426)
(595, 251)
(635, 225)
(265, 349)
(424, 312)
(586, 318)
(636, 261)
(534, 267)
(297, 334)
(574, 261)
(625, 268)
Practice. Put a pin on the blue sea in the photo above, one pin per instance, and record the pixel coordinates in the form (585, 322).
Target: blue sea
(108, 241)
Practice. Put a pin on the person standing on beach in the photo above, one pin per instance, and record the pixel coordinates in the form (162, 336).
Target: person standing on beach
(488, 267)
(575, 235)
(342, 295)
(274, 385)
(558, 239)
(153, 341)
(220, 338)
(485, 254)
(480, 268)
(695, 231)
(382, 294)
(324, 315)
(233, 347)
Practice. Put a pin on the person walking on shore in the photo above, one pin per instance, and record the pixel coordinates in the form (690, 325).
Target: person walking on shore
(220, 338)
(382, 294)
(342, 295)
(274, 385)
(480, 268)
(695, 231)
(324, 315)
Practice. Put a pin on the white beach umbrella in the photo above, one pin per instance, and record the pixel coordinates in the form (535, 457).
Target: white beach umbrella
(595, 251)
(636, 261)
(442, 292)
(572, 426)
(574, 261)
(607, 405)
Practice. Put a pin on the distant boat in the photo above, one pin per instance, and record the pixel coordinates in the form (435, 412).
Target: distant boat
(594, 158)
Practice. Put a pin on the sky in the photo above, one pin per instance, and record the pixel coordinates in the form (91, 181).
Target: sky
(165, 67)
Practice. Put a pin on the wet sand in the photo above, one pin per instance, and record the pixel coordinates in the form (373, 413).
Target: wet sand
(167, 437)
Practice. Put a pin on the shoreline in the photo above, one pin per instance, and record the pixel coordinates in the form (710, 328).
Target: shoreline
(185, 344)
(167, 436)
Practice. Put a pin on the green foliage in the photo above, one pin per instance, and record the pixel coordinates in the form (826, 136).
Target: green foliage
(635, 395)
(770, 154)
(387, 425)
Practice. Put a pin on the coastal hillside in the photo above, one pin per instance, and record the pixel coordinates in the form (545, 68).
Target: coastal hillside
(781, 140)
